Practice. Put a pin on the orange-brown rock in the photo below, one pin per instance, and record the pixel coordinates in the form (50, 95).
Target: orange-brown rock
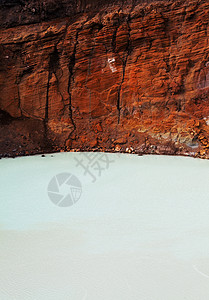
(128, 76)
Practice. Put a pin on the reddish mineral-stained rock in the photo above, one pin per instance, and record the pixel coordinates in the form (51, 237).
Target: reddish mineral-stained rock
(109, 76)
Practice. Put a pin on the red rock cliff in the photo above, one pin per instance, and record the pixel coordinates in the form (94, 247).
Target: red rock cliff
(110, 76)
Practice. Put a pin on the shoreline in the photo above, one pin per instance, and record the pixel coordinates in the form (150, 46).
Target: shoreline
(25, 153)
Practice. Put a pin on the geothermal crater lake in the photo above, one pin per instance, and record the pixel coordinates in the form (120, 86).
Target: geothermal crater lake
(93, 226)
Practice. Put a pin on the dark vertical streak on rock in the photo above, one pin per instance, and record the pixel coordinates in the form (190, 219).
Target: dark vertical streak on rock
(18, 80)
(126, 54)
(53, 65)
(89, 73)
(71, 71)
(19, 102)
(113, 44)
(47, 106)
(89, 67)
(47, 98)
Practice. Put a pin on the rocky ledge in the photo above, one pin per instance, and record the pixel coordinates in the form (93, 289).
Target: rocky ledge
(104, 75)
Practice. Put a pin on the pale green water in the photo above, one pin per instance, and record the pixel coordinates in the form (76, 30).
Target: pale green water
(140, 231)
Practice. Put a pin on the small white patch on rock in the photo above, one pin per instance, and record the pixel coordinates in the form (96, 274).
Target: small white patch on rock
(111, 62)
(206, 120)
(129, 149)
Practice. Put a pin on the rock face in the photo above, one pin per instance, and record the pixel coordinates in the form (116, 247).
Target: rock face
(99, 75)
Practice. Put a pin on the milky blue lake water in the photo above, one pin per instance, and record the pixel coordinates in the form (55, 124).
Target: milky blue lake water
(89, 226)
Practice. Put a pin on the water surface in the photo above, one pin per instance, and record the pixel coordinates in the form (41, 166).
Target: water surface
(140, 229)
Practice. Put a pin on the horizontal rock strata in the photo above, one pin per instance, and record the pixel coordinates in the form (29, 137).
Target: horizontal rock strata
(111, 76)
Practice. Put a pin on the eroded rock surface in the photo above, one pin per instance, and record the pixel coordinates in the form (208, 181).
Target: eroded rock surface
(114, 76)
